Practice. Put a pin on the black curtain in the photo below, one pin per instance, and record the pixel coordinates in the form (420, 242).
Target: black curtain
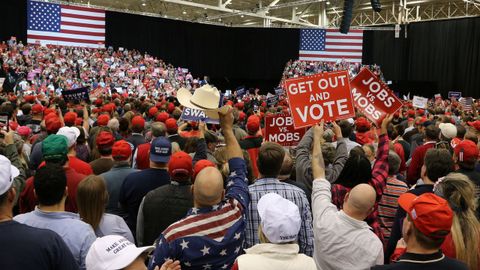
(13, 19)
(254, 57)
(436, 57)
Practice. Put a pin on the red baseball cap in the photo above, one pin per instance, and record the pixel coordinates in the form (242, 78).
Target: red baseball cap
(241, 116)
(421, 111)
(37, 108)
(240, 105)
(467, 151)
(428, 212)
(171, 124)
(253, 123)
(30, 98)
(162, 117)
(170, 107)
(411, 113)
(99, 102)
(102, 120)
(475, 124)
(138, 121)
(199, 166)
(104, 140)
(48, 111)
(69, 118)
(180, 164)
(52, 124)
(121, 150)
(78, 121)
(362, 122)
(152, 111)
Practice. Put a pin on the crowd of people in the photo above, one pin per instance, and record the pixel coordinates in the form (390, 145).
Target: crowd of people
(124, 182)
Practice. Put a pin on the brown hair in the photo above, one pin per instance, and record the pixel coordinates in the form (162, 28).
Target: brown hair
(459, 191)
(270, 159)
(429, 242)
(92, 196)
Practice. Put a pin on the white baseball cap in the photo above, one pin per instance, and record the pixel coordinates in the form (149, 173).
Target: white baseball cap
(113, 252)
(71, 133)
(280, 218)
(448, 130)
(7, 173)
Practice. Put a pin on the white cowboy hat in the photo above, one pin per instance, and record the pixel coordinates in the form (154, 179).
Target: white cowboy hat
(205, 98)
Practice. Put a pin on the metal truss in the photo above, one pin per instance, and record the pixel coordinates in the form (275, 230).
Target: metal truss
(405, 12)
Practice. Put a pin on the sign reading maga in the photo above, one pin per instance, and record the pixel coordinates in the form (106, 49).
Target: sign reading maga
(324, 96)
(373, 97)
(279, 128)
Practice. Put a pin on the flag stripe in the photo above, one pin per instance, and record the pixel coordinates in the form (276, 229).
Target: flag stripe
(77, 20)
(338, 34)
(57, 38)
(83, 13)
(339, 54)
(84, 33)
(65, 43)
(349, 32)
(330, 46)
(334, 59)
(83, 17)
(83, 8)
(334, 50)
(85, 29)
(345, 40)
(65, 35)
(79, 24)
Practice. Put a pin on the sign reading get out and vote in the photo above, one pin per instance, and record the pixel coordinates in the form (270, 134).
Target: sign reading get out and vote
(324, 96)
(279, 128)
(372, 97)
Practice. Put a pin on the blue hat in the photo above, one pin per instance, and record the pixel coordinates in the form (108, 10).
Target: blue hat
(160, 150)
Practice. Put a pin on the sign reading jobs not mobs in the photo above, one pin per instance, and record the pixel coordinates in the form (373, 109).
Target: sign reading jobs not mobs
(279, 128)
(324, 96)
(373, 97)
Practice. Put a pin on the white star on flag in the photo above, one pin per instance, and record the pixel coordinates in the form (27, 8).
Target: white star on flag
(223, 252)
(184, 244)
(233, 174)
(207, 266)
(237, 235)
(237, 250)
(225, 266)
(205, 250)
(187, 264)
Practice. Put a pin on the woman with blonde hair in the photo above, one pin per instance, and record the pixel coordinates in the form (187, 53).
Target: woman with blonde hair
(92, 197)
(464, 240)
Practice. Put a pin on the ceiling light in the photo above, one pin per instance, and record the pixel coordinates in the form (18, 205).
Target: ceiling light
(143, 4)
(242, 16)
(219, 19)
(205, 8)
(184, 12)
(328, 3)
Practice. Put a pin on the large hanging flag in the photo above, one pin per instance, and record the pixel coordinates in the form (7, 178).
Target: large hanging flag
(329, 45)
(58, 24)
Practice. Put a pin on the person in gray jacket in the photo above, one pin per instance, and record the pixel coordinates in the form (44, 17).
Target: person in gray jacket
(304, 164)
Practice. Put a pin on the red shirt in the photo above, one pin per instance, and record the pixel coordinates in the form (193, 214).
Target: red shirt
(28, 201)
(77, 164)
(191, 133)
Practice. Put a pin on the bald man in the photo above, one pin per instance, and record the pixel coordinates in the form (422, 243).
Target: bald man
(343, 240)
(212, 233)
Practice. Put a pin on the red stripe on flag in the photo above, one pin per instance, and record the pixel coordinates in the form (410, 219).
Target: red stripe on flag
(344, 37)
(351, 31)
(83, 8)
(343, 50)
(84, 17)
(342, 44)
(74, 32)
(83, 25)
(40, 37)
(339, 56)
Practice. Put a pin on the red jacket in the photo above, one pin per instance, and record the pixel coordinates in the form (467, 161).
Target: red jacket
(413, 173)
(28, 201)
(77, 164)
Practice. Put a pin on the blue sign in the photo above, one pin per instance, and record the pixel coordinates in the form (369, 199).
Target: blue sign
(272, 100)
(195, 115)
(77, 94)
(453, 94)
(279, 91)
(241, 91)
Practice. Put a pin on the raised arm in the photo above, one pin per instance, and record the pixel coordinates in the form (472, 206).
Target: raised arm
(303, 164)
(318, 165)
(341, 156)
(380, 169)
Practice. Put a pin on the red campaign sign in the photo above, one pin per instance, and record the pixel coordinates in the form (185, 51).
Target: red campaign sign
(373, 97)
(324, 96)
(279, 128)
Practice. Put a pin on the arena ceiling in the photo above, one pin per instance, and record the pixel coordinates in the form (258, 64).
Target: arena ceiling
(292, 13)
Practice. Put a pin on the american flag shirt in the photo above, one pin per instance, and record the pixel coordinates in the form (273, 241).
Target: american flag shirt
(212, 237)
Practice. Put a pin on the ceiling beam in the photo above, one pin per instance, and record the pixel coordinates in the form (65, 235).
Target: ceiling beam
(235, 12)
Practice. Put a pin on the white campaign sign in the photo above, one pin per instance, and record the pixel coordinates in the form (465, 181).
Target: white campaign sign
(419, 102)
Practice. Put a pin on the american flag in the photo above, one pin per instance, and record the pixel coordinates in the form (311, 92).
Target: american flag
(329, 45)
(65, 25)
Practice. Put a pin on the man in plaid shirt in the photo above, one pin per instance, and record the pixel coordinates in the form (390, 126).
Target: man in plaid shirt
(270, 159)
(378, 180)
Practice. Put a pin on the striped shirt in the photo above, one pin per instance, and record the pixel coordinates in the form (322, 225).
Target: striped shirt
(387, 207)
